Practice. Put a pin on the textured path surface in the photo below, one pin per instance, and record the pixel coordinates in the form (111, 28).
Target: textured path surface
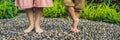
(58, 29)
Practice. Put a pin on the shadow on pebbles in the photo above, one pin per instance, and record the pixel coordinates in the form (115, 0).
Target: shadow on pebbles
(58, 29)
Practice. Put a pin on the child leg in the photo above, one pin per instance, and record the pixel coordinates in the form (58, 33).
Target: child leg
(38, 15)
(77, 14)
(75, 19)
(79, 6)
(31, 20)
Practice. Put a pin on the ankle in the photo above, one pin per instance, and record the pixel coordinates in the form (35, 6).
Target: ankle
(74, 28)
(37, 22)
(31, 25)
(37, 26)
(76, 20)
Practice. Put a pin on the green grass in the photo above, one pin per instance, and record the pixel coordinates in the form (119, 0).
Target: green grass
(101, 12)
(58, 10)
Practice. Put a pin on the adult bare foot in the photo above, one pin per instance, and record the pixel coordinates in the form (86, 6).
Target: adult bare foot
(28, 30)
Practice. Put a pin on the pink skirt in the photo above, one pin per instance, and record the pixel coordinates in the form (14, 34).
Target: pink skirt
(33, 3)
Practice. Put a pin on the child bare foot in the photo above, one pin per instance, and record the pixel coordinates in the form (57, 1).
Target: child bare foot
(74, 26)
(75, 30)
(38, 29)
(28, 30)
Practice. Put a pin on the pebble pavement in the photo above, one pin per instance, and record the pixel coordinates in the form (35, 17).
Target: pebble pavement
(58, 29)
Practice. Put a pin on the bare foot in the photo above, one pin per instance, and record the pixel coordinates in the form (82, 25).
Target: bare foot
(28, 30)
(74, 26)
(75, 30)
(38, 29)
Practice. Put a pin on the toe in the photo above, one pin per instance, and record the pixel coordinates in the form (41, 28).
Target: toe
(75, 30)
(39, 31)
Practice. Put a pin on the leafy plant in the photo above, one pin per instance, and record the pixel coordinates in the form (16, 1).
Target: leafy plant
(101, 12)
(57, 10)
(110, 2)
(7, 9)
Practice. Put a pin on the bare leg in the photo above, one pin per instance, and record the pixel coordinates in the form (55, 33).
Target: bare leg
(38, 15)
(75, 19)
(31, 21)
(77, 14)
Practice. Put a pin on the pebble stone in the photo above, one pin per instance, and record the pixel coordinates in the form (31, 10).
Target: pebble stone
(58, 29)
